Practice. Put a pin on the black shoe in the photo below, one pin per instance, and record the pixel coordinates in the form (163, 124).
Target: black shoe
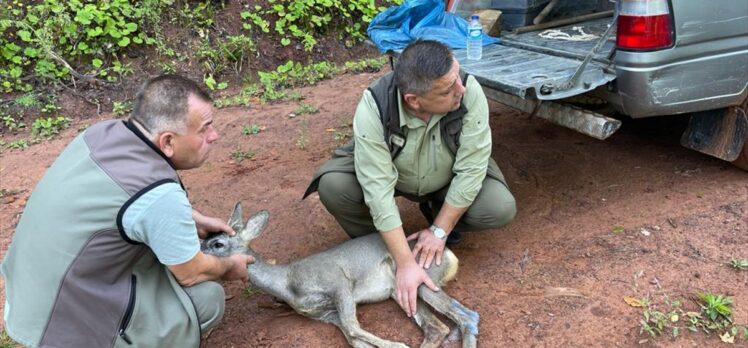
(454, 238)
(425, 208)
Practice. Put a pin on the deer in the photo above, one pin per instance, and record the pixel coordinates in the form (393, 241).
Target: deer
(327, 286)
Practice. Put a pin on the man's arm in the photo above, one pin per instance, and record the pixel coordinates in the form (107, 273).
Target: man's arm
(408, 275)
(204, 267)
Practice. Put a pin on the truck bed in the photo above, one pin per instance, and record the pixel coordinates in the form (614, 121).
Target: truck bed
(533, 67)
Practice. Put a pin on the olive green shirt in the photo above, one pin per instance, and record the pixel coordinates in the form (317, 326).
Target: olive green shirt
(425, 164)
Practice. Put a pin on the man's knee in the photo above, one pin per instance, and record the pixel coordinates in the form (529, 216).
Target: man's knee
(495, 207)
(339, 190)
(209, 300)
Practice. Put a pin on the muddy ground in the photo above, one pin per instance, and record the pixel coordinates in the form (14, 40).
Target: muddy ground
(636, 215)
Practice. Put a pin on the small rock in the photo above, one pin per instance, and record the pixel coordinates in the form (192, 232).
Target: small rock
(644, 231)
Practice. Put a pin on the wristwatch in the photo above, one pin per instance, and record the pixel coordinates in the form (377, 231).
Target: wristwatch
(438, 232)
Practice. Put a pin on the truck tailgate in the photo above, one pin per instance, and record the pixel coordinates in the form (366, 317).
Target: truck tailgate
(534, 67)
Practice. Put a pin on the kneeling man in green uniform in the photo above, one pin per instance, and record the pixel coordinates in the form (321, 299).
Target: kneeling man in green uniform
(420, 132)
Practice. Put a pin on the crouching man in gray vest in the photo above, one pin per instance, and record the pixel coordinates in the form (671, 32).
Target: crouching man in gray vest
(419, 133)
(107, 252)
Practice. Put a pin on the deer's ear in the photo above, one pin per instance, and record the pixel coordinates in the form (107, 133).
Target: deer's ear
(235, 221)
(255, 225)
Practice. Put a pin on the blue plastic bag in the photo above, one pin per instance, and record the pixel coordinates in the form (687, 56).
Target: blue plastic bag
(397, 26)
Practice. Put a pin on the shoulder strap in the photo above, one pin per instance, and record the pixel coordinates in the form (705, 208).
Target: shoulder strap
(386, 97)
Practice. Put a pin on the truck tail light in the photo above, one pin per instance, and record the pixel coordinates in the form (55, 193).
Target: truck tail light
(644, 25)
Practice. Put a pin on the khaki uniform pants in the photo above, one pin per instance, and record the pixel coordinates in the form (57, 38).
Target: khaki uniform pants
(343, 197)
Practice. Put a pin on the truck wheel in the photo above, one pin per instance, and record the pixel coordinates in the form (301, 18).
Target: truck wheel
(742, 160)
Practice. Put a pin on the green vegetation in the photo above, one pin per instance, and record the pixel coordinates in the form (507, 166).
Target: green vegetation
(305, 108)
(5, 340)
(240, 155)
(18, 144)
(301, 140)
(65, 40)
(305, 21)
(738, 264)
(713, 317)
(87, 47)
(366, 65)
(248, 292)
(122, 108)
(49, 127)
(251, 129)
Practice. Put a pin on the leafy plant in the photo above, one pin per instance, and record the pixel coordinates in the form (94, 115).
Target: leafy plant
(251, 129)
(305, 21)
(18, 144)
(248, 292)
(342, 135)
(56, 40)
(301, 140)
(738, 264)
(11, 123)
(715, 306)
(47, 127)
(293, 74)
(121, 108)
(5, 340)
(240, 155)
(366, 65)
(305, 108)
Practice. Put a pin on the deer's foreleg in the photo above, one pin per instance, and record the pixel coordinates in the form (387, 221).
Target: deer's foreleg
(351, 328)
(464, 317)
(434, 330)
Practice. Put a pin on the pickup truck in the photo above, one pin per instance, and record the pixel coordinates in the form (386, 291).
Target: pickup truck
(646, 58)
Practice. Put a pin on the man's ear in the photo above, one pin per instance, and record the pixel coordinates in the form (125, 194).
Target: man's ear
(412, 101)
(165, 142)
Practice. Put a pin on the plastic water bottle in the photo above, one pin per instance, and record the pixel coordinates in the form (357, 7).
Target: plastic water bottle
(474, 39)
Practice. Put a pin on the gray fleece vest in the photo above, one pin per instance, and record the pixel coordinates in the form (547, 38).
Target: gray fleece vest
(72, 277)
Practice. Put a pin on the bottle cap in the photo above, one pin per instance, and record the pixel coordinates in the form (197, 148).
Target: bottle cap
(475, 16)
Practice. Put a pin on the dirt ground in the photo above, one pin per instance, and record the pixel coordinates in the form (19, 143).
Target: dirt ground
(555, 277)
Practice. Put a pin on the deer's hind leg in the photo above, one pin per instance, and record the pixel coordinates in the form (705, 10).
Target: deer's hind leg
(465, 318)
(434, 330)
(351, 328)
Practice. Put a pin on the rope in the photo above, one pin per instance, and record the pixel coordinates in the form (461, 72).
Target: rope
(555, 34)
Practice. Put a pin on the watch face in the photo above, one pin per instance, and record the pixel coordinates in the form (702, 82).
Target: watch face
(438, 232)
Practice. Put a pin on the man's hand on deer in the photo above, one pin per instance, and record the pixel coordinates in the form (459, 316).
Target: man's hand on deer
(429, 246)
(408, 278)
(206, 225)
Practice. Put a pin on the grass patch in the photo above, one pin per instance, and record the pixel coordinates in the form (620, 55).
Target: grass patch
(738, 264)
(251, 291)
(240, 155)
(712, 314)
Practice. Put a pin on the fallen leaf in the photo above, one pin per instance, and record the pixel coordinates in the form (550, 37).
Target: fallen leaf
(633, 302)
(330, 130)
(727, 338)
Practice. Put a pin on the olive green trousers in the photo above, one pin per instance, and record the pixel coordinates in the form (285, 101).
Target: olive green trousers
(342, 196)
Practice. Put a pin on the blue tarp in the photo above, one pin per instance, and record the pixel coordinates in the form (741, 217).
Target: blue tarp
(397, 26)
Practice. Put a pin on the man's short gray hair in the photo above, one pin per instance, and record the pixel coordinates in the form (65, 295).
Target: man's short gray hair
(420, 64)
(161, 103)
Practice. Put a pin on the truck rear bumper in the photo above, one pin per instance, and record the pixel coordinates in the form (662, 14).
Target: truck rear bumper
(704, 83)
